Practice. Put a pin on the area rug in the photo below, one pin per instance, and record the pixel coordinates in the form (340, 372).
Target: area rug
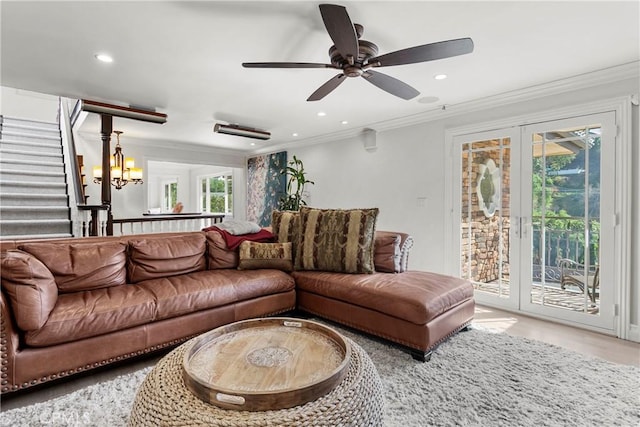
(476, 378)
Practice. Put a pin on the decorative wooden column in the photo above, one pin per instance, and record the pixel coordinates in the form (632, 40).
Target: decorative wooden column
(105, 134)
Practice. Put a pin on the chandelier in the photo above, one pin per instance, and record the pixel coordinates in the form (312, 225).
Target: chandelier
(122, 169)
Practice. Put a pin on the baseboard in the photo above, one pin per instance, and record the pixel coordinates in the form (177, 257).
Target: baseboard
(634, 333)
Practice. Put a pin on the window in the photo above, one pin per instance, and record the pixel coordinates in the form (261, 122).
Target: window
(216, 194)
(169, 194)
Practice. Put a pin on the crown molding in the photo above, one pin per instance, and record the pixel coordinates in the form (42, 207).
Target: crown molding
(609, 75)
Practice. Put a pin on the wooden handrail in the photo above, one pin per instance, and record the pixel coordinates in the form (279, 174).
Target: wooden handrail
(169, 217)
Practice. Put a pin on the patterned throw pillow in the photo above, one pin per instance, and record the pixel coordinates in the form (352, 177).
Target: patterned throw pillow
(285, 225)
(336, 240)
(254, 255)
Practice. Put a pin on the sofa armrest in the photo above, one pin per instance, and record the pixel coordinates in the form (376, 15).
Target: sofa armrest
(406, 243)
(9, 342)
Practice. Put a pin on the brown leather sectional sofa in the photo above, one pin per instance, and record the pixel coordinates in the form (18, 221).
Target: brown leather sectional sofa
(71, 305)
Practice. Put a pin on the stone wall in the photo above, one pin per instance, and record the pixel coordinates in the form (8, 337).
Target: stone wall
(481, 247)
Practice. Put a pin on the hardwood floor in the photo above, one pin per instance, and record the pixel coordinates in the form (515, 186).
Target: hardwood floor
(582, 341)
(579, 340)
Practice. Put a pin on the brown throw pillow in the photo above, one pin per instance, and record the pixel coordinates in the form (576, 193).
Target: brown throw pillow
(82, 266)
(254, 255)
(336, 240)
(387, 252)
(31, 288)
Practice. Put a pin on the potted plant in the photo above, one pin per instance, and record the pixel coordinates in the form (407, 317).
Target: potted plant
(296, 181)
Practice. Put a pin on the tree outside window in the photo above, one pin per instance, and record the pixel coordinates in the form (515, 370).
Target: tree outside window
(216, 194)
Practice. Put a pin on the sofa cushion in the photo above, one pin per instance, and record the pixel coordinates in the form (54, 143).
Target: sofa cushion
(178, 295)
(255, 255)
(336, 240)
(219, 254)
(414, 296)
(82, 266)
(151, 258)
(386, 252)
(285, 225)
(89, 313)
(31, 288)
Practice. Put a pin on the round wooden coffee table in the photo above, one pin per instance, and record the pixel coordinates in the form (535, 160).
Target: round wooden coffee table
(266, 364)
(164, 398)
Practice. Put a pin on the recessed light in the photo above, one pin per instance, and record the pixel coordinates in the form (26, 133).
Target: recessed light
(253, 143)
(344, 122)
(440, 76)
(294, 134)
(321, 114)
(103, 57)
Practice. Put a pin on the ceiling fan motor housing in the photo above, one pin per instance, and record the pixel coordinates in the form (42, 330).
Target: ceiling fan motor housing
(366, 50)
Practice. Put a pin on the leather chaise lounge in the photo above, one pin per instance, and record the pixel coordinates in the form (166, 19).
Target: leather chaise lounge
(72, 305)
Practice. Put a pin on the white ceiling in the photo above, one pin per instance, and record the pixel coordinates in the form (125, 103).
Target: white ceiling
(184, 58)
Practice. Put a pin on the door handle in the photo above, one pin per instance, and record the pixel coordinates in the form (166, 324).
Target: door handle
(523, 226)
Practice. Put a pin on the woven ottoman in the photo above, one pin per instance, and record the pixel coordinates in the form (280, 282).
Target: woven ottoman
(164, 400)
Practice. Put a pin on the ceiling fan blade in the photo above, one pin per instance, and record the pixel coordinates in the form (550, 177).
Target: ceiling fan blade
(327, 88)
(341, 30)
(285, 65)
(390, 84)
(426, 52)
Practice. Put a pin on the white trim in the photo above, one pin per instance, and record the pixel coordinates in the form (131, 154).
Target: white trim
(586, 80)
(623, 209)
(622, 241)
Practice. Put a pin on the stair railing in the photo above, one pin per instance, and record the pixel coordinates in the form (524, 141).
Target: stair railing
(81, 224)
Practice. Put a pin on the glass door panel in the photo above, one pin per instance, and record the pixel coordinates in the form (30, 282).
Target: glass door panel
(566, 208)
(485, 218)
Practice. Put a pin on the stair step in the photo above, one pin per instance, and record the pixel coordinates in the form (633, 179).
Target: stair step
(34, 212)
(30, 176)
(34, 202)
(30, 155)
(34, 227)
(13, 128)
(33, 137)
(29, 165)
(26, 199)
(12, 187)
(27, 123)
(12, 144)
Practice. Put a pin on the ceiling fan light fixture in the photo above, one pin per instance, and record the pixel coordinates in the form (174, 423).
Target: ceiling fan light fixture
(238, 130)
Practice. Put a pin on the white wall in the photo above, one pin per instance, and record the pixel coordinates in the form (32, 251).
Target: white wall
(23, 104)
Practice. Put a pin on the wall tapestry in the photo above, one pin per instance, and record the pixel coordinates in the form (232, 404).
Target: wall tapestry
(265, 185)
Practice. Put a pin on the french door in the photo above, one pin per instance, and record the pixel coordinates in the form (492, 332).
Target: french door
(533, 205)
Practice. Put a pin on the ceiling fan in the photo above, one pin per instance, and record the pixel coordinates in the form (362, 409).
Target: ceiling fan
(356, 57)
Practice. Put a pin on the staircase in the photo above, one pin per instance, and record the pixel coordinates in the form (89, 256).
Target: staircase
(33, 191)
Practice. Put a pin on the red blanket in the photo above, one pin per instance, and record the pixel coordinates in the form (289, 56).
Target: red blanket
(234, 241)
